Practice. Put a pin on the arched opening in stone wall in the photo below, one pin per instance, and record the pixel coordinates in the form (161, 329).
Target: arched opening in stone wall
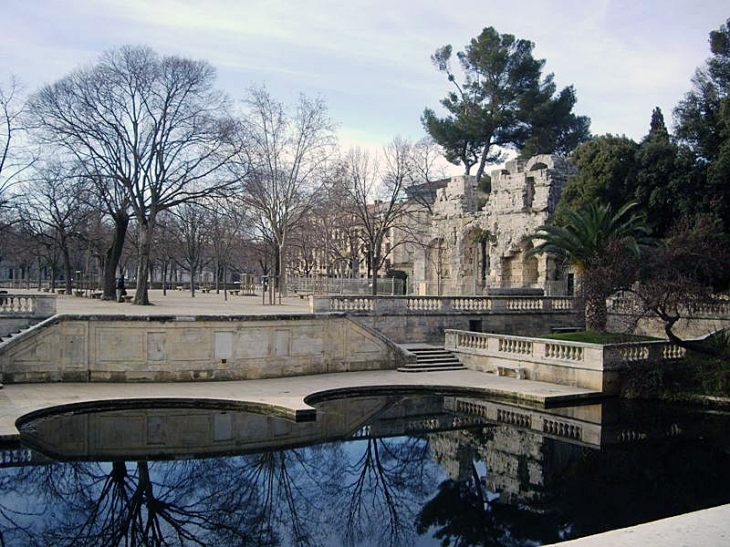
(437, 266)
(475, 260)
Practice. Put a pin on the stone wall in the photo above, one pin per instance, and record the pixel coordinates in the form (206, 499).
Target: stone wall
(130, 348)
(430, 328)
(451, 259)
(425, 319)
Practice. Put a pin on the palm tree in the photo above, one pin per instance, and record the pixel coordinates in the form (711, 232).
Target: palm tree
(603, 248)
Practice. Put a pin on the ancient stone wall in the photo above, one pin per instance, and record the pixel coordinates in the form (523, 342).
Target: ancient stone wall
(468, 249)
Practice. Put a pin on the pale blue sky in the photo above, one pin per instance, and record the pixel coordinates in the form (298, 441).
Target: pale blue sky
(371, 59)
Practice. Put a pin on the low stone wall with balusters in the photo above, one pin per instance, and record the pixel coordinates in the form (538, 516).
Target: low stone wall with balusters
(18, 311)
(425, 318)
(591, 366)
(702, 320)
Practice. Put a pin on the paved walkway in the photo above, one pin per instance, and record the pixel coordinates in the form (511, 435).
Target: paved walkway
(181, 303)
(708, 528)
(286, 394)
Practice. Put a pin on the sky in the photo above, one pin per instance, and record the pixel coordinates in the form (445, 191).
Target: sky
(370, 60)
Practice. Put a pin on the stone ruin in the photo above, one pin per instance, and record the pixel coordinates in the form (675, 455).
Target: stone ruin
(473, 243)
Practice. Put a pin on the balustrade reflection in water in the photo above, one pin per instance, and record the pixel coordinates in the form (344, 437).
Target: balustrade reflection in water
(371, 470)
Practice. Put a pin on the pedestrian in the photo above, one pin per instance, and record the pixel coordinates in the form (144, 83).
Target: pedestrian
(121, 291)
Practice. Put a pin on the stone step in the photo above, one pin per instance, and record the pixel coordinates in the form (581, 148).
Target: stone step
(429, 368)
(432, 359)
(15, 333)
(439, 359)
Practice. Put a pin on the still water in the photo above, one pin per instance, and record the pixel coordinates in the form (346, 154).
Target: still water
(382, 470)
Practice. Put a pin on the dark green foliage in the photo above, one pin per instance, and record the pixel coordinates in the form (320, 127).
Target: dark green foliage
(670, 178)
(606, 173)
(663, 178)
(660, 185)
(703, 126)
(503, 101)
(598, 337)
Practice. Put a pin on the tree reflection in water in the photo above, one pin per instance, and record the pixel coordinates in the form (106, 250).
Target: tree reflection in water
(383, 491)
(365, 492)
(493, 484)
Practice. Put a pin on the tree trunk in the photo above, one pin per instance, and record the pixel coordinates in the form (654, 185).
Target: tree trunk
(192, 271)
(596, 314)
(114, 254)
(374, 272)
(484, 263)
(141, 295)
(165, 268)
(67, 268)
(282, 271)
(40, 280)
(483, 159)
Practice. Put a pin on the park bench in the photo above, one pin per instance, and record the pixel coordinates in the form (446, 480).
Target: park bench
(565, 329)
(512, 372)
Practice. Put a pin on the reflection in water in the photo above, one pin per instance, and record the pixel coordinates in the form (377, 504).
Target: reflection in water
(391, 470)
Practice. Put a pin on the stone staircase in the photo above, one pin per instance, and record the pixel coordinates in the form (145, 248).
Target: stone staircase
(431, 359)
(16, 332)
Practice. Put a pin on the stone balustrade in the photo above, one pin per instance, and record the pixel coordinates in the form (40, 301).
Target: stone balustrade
(27, 305)
(623, 304)
(593, 366)
(439, 304)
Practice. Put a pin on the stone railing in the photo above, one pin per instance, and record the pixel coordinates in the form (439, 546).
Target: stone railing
(711, 310)
(592, 366)
(27, 305)
(439, 304)
(569, 353)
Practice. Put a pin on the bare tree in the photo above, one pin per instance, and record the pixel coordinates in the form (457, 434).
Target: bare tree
(226, 221)
(287, 153)
(427, 173)
(154, 128)
(52, 210)
(682, 276)
(376, 188)
(12, 164)
(189, 229)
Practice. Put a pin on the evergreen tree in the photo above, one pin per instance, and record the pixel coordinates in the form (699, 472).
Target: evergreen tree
(703, 126)
(606, 173)
(502, 102)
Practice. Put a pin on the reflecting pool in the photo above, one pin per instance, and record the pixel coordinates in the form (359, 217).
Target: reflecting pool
(383, 469)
